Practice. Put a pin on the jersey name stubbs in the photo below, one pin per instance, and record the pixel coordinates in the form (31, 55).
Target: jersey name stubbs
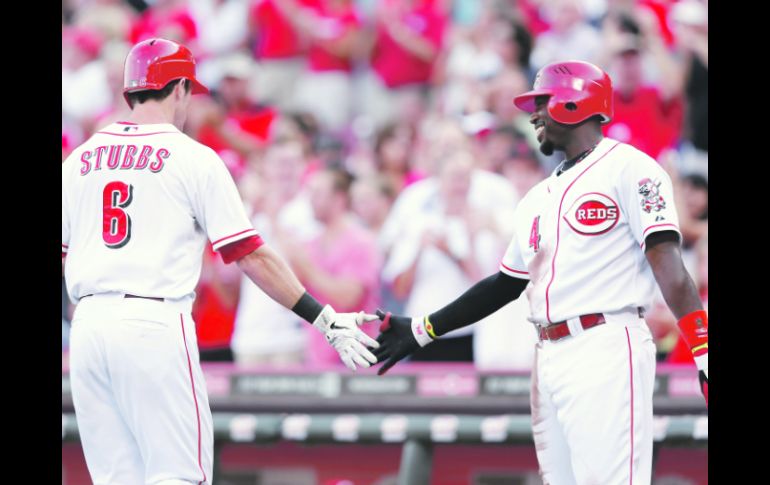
(123, 157)
(592, 214)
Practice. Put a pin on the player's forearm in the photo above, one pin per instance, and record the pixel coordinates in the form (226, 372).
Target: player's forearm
(272, 275)
(481, 300)
(676, 285)
(680, 294)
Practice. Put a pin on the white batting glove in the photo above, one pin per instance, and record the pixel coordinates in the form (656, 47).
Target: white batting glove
(342, 332)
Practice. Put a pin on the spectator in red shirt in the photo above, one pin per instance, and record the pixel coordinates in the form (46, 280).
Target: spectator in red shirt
(214, 308)
(234, 125)
(648, 86)
(279, 49)
(333, 30)
(643, 118)
(408, 39)
(530, 13)
(169, 19)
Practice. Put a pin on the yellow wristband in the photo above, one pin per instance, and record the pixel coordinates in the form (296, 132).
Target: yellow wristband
(429, 328)
(699, 347)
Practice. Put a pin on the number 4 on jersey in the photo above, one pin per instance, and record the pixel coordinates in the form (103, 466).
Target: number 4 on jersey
(534, 235)
(116, 223)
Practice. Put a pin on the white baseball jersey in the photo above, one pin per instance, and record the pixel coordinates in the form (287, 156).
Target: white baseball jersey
(579, 237)
(138, 203)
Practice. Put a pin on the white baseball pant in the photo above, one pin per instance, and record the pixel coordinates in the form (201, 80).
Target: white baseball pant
(138, 390)
(592, 404)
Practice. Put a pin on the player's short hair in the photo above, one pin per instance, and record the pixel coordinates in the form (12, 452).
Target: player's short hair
(139, 97)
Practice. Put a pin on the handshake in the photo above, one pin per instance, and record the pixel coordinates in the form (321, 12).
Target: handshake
(399, 337)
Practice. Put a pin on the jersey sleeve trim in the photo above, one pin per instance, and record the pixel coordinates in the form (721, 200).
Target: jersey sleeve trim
(238, 249)
(233, 237)
(64, 248)
(659, 228)
(513, 272)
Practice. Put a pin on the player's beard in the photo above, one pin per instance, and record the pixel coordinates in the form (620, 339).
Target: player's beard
(546, 148)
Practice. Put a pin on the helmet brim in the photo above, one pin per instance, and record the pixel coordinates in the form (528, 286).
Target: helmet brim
(526, 101)
(198, 88)
(195, 86)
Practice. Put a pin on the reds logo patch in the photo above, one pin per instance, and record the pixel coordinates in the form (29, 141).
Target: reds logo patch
(651, 198)
(592, 214)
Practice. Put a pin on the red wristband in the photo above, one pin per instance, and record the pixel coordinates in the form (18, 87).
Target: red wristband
(695, 331)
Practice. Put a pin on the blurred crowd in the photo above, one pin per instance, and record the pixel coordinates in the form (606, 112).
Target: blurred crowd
(377, 148)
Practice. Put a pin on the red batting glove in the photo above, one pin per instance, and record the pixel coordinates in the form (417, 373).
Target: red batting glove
(695, 331)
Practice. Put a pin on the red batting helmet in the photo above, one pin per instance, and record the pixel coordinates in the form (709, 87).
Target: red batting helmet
(577, 90)
(153, 63)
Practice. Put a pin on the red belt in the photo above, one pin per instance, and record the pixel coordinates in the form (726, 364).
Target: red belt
(559, 330)
(134, 296)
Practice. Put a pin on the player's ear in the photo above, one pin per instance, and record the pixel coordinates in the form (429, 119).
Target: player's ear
(181, 89)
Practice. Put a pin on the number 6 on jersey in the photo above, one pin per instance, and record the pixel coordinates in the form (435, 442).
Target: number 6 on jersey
(116, 224)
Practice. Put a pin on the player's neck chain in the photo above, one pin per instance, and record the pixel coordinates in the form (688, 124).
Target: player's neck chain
(568, 164)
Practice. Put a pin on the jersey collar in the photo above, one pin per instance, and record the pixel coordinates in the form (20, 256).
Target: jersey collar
(125, 128)
(597, 151)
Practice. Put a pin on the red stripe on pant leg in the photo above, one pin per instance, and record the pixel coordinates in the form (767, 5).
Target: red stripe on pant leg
(631, 371)
(195, 398)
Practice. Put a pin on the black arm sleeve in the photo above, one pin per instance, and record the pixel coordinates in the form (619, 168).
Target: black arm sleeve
(482, 299)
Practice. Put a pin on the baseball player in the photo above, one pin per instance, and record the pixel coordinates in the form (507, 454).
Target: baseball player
(589, 244)
(139, 201)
